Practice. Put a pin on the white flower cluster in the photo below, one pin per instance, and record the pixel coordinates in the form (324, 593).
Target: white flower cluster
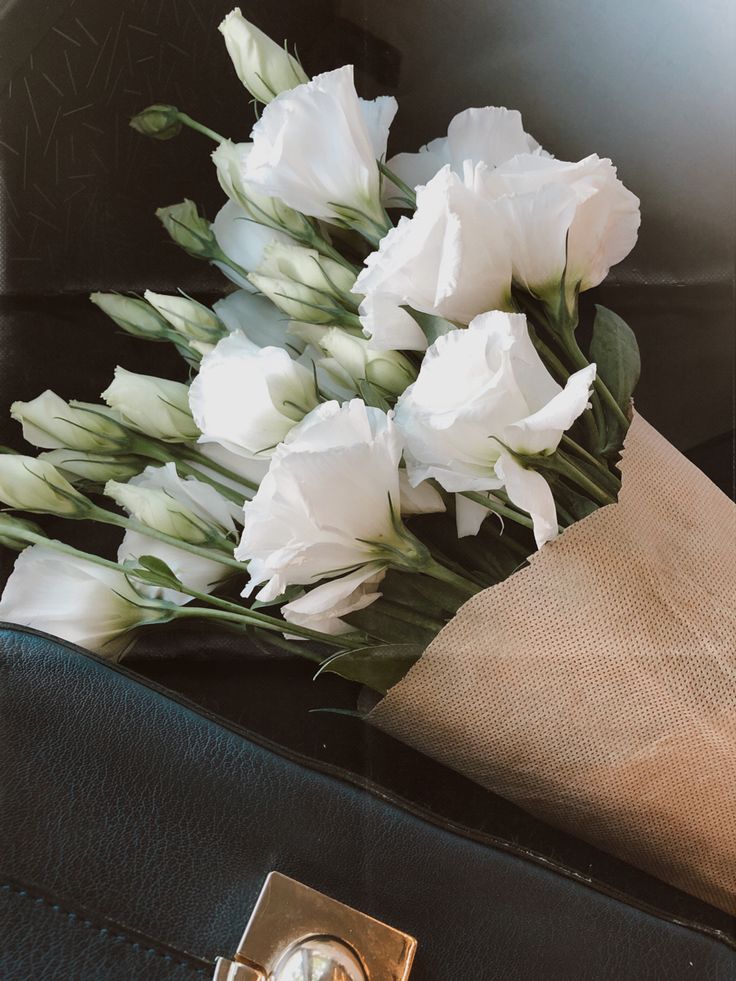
(367, 371)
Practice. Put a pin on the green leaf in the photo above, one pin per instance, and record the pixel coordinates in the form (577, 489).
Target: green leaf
(371, 395)
(616, 354)
(155, 572)
(432, 327)
(380, 668)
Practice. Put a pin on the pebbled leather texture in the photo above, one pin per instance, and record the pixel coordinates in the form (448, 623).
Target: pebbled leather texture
(121, 804)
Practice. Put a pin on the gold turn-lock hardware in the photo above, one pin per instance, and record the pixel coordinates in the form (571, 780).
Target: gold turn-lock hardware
(297, 934)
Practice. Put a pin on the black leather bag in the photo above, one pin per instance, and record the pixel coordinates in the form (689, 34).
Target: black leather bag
(136, 831)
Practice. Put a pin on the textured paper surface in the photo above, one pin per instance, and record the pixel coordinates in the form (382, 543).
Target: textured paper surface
(597, 687)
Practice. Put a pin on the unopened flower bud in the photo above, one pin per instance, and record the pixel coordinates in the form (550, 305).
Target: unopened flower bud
(302, 283)
(51, 423)
(12, 531)
(189, 229)
(161, 512)
(94, 468)
(159, 121)
(264, 67)
(229, 159)
(157, 407)
(191, 319)
(132, 314)
(387, 370)
(30, 484)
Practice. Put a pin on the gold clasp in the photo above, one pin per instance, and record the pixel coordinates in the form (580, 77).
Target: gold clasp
(297, 934)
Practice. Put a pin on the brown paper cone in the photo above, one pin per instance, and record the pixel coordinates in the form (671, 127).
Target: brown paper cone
(597, 687)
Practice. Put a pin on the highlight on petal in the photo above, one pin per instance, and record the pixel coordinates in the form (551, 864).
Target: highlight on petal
(323, 607)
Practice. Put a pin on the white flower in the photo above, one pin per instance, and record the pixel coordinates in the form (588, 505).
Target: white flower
(332, 491)
(264, 67)
(302, 283)
(157, 407)
(482, 395)
(389, 326)
(51, 423)
(229, 159)
(323, 607)
(243, 240)
(184, 508)
(36, 485)
(205, 502)
(257, 317)
(316, 147)
(248, 398)
(571, 218)
(489, 135)
(450, 258)
(188, 318)
(74, 599)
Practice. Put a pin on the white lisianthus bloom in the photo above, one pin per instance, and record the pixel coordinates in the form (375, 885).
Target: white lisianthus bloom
(202, 574)
(51, 424)
(450, 258)
(327, 502)
(316, 147)
(30, 484)
(264, 67)
(388, 326)
(575, 219)
(243, 240)
(482, 395)
(301, 282)
(230, 158)
(77, 600)
(248, 398)
(258, 318)
(188, 318)
(490, 135)
(157, 407)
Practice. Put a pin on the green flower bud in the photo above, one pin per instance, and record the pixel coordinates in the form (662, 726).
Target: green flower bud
(95, 468)
(162, 512)
(51, 423)
(189, 229)
(133, 315)
(30, 484)
(302, 283)
(11, 531)
(159, 121)
(157, 407)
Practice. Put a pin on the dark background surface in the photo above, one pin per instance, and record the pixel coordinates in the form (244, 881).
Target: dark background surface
(650, 85)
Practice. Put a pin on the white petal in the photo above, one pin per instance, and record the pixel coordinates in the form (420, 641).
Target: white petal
(420, 499)
(542, 431)
(378, 114)
(389, 327)
(255, 316)
(530, 492)
(323, 607)
(469, 516)
(490, 135)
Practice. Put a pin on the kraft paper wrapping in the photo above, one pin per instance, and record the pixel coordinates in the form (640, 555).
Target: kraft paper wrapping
(597, 687)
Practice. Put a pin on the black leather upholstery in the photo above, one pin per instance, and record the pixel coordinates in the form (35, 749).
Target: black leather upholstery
(122, 804)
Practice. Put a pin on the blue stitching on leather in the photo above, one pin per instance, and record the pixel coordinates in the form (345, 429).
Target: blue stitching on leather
(73, 917)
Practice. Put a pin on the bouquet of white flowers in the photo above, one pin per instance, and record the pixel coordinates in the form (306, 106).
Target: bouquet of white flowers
(389, 410)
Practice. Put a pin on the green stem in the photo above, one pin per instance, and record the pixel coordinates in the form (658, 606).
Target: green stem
(493, 504)
(567, 468)
(199, 127)
(227, 492)
(219, 256)
(612, 482)
(440, 572)
(407, 615)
